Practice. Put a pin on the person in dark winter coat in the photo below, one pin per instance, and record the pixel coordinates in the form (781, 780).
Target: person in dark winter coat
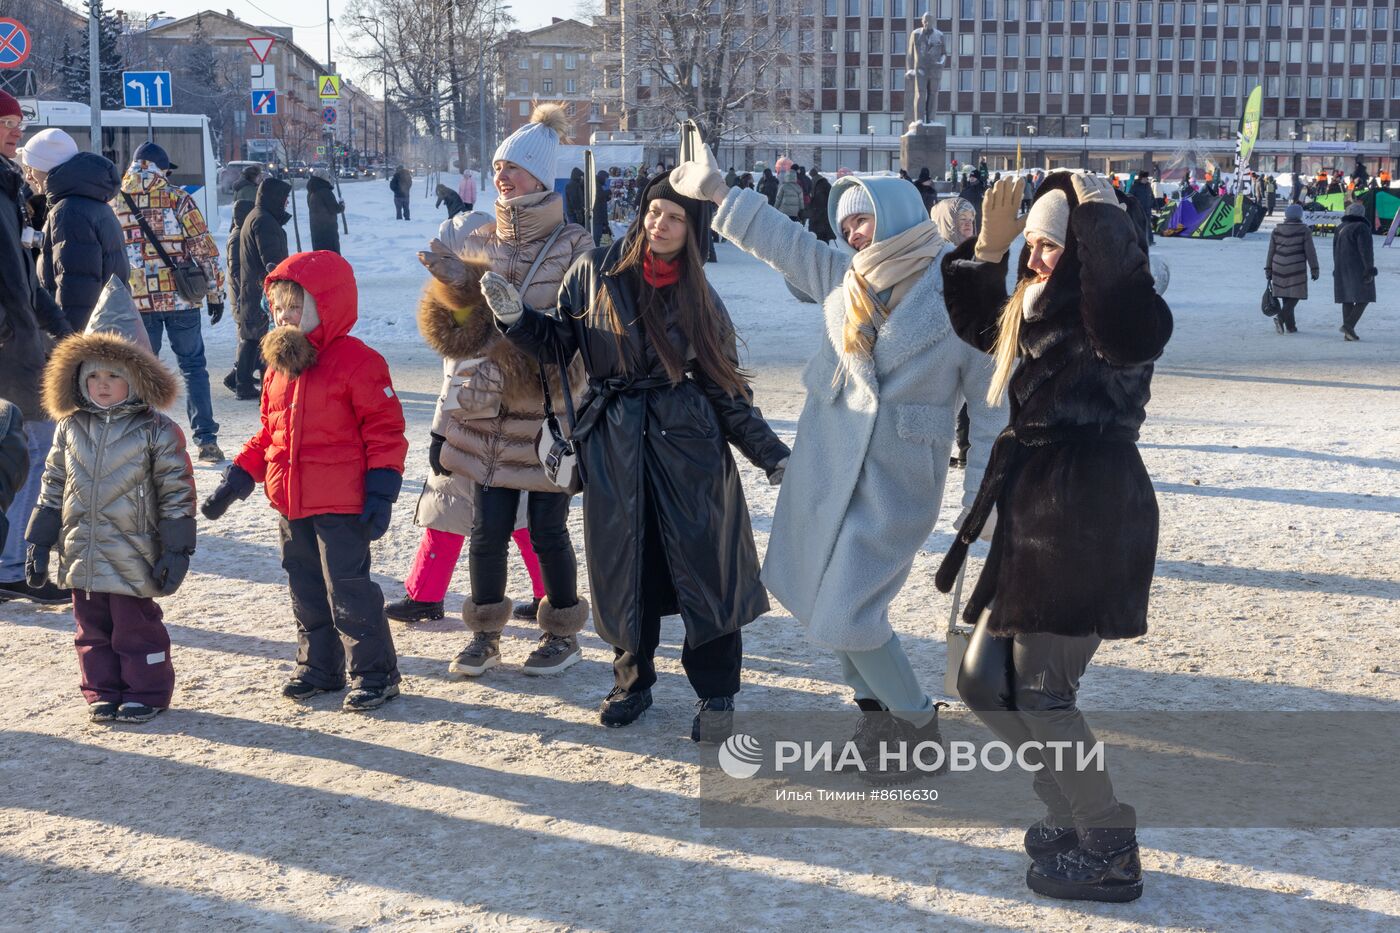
(324, 209)
(245, 190)
(600, 209)
(262, 245)
(574, 199)
(402, 187)
(1141, 189)
(1290, 258)
(731, 178)
(666, 526)
(117, 505)
(1353, 268)
(445, 195)
(818, 222)
(241, 210)
(28, 316)
(768, 186)
(14, 460)
(83, 245)
(330, 455)
(927, 191)
(1074, 545)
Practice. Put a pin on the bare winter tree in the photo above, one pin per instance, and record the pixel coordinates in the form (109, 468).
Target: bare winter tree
(717, 62)
(432, 56)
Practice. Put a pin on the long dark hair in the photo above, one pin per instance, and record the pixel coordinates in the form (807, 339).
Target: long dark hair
(705, 328)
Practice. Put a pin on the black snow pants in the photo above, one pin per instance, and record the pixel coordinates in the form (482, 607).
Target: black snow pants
(547, 514)
(1025, 688)
(338, 608)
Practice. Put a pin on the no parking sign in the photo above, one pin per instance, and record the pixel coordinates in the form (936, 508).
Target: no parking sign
(14, 43)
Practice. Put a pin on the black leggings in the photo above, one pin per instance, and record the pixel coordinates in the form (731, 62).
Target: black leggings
(1351, 313)
(492, 525)
(1024, 689)
(1285, 314)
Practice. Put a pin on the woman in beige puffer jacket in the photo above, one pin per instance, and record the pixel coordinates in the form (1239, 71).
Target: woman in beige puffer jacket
(492, 408)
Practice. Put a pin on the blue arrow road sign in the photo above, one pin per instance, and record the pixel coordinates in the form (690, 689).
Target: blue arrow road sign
(265, 103)
(149, 89)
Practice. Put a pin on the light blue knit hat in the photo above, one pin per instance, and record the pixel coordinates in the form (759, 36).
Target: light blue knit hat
(535, 146)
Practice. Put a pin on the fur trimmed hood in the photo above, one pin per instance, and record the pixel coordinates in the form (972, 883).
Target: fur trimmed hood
(152, 382)
(478, 338)
(288, 351)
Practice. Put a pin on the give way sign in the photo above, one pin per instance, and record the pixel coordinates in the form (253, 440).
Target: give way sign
(261, 45)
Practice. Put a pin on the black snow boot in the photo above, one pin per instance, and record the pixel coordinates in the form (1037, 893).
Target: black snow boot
(1049, 837)
(526, 612)
(873, 726)
(409, 609)
(1103, 867)
(621, 708)
(903, 770)
(714, 720)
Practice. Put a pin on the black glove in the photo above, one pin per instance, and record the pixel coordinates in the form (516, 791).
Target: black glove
(1315, 274)
(45, 526)
(36, 566)
(381, 490)
(176, 546)
(435, 455)
(216, 312)
(238, 484)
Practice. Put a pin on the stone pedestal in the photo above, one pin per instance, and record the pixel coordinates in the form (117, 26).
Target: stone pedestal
(924, 145)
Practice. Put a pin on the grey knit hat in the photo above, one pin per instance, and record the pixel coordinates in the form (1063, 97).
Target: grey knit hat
(854, 200)
(1293, 212)
(535, 146)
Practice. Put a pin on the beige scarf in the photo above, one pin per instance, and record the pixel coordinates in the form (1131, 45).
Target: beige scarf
(893, 264)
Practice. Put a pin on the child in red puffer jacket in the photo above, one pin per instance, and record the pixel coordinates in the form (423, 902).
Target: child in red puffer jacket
(330, 456)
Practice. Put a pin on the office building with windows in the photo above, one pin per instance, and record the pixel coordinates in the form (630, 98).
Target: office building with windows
(1115, 84)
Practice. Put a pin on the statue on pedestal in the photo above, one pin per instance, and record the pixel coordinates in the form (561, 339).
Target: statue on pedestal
(928, 52)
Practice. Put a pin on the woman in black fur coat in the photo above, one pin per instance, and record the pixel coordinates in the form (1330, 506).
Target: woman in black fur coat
(1075, 529)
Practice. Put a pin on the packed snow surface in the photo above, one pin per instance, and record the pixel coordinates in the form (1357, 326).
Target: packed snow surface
(502, 803)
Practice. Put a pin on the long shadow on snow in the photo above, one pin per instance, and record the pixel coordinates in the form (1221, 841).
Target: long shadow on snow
(344, 835)
(1290, 453)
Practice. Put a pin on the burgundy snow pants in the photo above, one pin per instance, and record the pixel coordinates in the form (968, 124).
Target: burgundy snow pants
(123, 649)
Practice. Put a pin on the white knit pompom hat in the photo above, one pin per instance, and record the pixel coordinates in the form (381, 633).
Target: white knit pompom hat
(535, 146)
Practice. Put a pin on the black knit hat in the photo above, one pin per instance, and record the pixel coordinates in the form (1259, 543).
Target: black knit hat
(696, 212)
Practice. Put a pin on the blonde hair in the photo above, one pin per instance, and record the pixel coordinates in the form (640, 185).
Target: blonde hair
(1008, 344)
(285, 294)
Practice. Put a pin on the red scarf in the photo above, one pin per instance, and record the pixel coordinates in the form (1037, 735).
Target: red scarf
(659, 272)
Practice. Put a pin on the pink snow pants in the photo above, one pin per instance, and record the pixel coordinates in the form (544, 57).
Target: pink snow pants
(437, 555)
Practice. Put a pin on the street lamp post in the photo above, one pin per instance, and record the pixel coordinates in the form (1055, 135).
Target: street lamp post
(1030, 129)
(986, 144)
(1084, 133)
(836, 128)
(871, 159)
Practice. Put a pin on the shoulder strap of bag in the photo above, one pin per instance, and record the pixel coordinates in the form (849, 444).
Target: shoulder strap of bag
(146, 229)
(563, 370)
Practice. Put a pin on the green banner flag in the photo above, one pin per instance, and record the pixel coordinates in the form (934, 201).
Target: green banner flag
(1249, 134)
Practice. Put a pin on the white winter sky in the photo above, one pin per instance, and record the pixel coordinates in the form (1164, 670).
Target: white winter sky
(309, 19)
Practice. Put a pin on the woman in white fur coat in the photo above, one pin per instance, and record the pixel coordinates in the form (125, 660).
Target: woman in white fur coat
(863, 487)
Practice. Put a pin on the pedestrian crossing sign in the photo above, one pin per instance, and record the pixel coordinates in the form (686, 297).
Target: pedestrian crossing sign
(328, 86)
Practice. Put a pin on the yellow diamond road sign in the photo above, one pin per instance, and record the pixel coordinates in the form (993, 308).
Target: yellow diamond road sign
(329, 86)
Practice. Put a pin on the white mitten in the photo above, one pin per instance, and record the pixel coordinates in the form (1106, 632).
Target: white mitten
(700, 178)
(502, 298)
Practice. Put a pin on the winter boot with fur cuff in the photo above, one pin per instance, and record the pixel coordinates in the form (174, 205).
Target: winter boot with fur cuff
(558, 649)
(1103, 867)
(485, 622)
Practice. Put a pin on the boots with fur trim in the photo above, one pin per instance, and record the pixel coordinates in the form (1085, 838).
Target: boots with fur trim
(563, 622)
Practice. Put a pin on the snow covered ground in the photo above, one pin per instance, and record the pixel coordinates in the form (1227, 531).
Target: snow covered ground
(501, 803)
